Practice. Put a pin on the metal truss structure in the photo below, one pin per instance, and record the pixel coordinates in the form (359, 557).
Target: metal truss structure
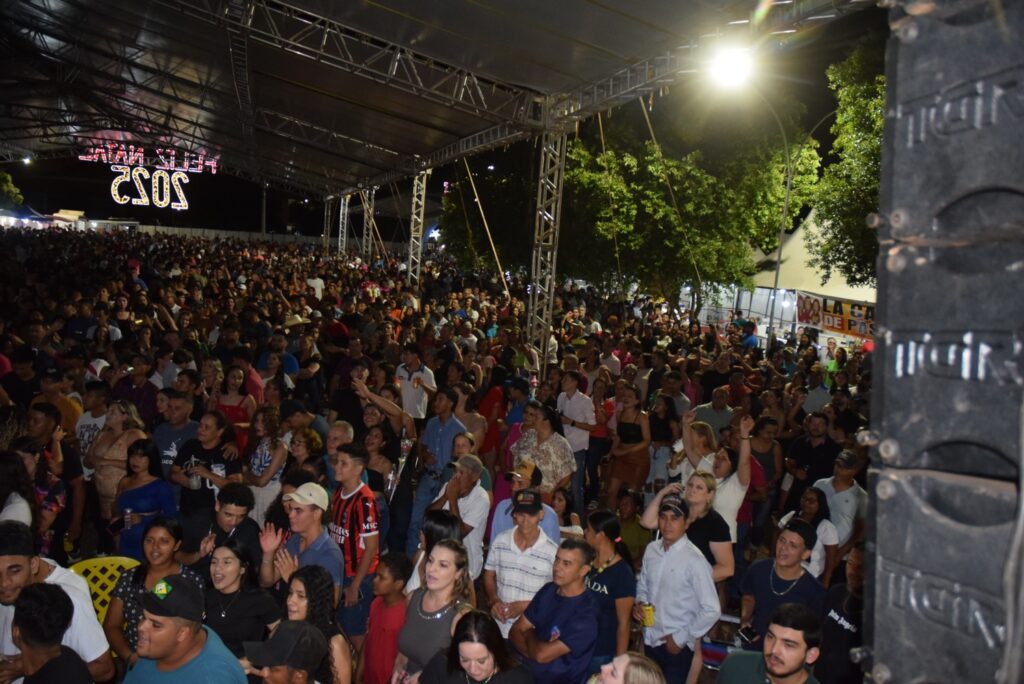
(367, 197)
(343, 223)
(327, 99)
(545, 241)
(419, 205)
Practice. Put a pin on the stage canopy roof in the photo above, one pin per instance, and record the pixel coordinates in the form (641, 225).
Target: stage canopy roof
(322, 97)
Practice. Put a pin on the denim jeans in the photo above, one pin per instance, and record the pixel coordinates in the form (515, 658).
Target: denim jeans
(578, 478)
(426, 491)
(598, 449)
(676, 668)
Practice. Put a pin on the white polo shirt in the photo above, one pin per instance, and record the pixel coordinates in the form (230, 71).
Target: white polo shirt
(579, 408)
(520, 573)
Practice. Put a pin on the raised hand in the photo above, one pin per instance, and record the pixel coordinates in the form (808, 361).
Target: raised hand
(271, 538)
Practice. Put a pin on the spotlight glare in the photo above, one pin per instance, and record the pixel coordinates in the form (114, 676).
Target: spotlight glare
(731, 67)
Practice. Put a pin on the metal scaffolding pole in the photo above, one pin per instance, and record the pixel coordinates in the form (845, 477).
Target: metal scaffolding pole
(367, 198)
(419, 205)
(263, 208)
(325, 237)
(343, 224)
(545, 242)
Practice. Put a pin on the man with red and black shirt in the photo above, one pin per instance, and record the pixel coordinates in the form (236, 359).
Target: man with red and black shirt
(355, 527)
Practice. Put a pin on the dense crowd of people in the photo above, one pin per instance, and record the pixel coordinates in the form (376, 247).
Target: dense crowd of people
(327, 474)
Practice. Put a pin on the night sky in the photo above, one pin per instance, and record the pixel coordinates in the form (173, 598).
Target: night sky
(224, 202)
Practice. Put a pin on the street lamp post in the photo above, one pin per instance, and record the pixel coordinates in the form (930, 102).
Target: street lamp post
(730, 69)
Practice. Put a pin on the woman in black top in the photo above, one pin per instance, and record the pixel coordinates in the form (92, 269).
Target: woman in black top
(706, 529)
(477, 654)
(235, 608)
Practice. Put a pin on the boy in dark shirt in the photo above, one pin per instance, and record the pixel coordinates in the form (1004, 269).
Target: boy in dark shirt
(42, 613)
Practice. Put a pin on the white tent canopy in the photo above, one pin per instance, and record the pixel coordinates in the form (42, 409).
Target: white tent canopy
(797, 274)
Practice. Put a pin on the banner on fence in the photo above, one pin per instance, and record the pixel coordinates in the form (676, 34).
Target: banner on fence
(841, 316)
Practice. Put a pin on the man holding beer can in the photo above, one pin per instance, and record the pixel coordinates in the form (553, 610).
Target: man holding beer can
(676, 598)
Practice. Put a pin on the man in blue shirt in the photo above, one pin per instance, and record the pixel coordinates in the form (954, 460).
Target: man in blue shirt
(557, 632)
(310, 544)
(174, 646)
(526, 475)
(435, 452)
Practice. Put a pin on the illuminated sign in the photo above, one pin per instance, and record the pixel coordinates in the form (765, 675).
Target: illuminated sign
(162, 187)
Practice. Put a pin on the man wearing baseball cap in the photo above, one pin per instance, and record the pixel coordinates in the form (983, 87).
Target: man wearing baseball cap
(469, 502)
(676, 581)
(310, 544)
(174, 645)
(519, 562)
(525, 475)
(291, 656)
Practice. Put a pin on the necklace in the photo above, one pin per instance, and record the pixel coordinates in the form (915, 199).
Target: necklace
(223, 608)
(607, 563)
(793, 583)
(437, 615)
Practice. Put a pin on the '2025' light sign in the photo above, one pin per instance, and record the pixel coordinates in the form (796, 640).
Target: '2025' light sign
(163, 187)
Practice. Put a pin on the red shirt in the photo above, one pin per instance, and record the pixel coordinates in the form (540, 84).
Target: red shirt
(381, 645)
(355, 518)
(757, 479)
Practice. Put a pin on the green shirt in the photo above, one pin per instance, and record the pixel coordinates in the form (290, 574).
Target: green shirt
(747, 667)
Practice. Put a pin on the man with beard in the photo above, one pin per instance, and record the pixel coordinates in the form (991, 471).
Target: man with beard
(841, 629)
(790, 648)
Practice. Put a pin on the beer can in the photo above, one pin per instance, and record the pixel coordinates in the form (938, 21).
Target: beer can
(127, 518)
(648, 609)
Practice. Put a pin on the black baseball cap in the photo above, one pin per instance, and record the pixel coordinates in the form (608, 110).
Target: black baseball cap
(175, 596)
(805, 530)
(527, 501)
(675, 504)
(296, 643)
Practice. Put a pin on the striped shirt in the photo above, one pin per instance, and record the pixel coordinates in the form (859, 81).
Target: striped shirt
(355, 517)
(520, 574)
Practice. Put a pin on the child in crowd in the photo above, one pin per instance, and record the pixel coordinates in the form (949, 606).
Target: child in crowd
(387, 617)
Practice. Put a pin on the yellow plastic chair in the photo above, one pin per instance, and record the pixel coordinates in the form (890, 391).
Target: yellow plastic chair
(101, 575)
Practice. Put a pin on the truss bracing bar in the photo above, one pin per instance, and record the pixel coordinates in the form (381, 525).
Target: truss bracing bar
(343, 224)
(419, 205)
(326, 41)
(545, 241)
(367, 244)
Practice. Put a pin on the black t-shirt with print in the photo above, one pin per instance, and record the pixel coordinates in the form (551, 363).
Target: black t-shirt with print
(213, 459)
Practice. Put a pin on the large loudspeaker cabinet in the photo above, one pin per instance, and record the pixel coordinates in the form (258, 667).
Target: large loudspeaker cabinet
(949, 365)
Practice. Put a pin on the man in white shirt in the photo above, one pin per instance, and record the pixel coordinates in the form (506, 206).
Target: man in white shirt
(416, 382)
(676, 580)
(470, 503)
(578, 419)
(20, 567)
(608, 359)
(519, 562)
(847, 500)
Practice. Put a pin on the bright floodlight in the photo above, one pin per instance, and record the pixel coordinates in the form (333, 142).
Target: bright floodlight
(731, 67)
(26, 160)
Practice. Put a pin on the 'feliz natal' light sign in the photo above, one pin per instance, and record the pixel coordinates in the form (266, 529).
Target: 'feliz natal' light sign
(163, 187)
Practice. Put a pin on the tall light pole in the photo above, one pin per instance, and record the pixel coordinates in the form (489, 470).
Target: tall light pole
(730, 69)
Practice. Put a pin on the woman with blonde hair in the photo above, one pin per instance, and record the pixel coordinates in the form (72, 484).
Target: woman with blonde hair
(434, 610)
(630, 668)
(109, 454)
(699, 446)
(265, 460)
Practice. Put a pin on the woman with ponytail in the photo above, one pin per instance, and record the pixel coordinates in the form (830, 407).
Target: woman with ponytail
(613, 585)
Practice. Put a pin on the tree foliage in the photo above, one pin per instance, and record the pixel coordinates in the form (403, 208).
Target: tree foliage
(848, 191)
(638, 214)
(10, 195)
